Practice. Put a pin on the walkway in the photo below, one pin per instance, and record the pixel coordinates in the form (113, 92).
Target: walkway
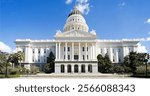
(74, 76)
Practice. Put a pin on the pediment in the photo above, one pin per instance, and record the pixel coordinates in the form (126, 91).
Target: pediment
(75, 34)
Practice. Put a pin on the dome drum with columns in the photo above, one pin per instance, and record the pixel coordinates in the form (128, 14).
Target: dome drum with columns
(76, 21)
(75, 48)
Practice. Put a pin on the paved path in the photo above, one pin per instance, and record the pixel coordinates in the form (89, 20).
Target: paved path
(74, 76)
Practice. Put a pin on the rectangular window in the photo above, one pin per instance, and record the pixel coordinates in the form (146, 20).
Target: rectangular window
(44, 50)
(87, 48)
(82, 48)
(68, 49)
(76, 57)
(33, 51)
(44, 58)
(33, 59)
(83, 57)
(119, 60)
(64, 48)
(64, 56)
(68, 57)
(87, 57)
(119, 50)
(113, 50)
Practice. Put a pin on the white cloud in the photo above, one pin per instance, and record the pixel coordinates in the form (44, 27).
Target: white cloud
(93, 32)
(149, 33)
(69, 1)
(148, 21)
(82, 1)
(148, 39)
(83, 6)
(4, 47)
(141, 49)
(121, 4)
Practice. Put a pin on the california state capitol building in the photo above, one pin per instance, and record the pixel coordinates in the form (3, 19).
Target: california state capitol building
(75, 49)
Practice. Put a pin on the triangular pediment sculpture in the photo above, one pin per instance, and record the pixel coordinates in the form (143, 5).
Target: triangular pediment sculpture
(75, 33)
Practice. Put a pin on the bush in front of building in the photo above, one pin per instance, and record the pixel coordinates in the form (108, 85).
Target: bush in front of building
(118, 68)
(47, 68)
(34, 70)
(142, 69)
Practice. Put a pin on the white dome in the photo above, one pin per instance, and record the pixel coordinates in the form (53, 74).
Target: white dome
(76, 21)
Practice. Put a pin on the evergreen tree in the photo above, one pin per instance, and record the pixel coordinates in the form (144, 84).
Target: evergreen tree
(104, 63)
(50, 66)
(108, 63)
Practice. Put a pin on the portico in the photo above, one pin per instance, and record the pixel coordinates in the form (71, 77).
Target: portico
(75, 51)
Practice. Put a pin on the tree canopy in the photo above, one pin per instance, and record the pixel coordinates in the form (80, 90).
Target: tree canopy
(104, 63)
(16, 58)
(133, 60)
(50, 66)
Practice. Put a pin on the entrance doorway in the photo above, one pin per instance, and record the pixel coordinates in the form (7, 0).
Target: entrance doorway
(83, 68)
(69, 68)
(90, 68)
(62, 68)
(75, 68)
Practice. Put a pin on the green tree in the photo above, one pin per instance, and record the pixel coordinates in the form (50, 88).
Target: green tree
(16, 58)
(101, 63)
(133, 60)
(50, 66)
(118, 68)
(108, 63)
(126, 64)
(3, 61)
(104, 63)
(20, 56)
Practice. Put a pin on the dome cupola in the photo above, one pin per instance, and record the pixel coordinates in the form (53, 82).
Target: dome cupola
(76, 21)
(75, 11)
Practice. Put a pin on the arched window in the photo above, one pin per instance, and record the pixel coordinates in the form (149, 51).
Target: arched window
(76, 68)
(83, 68)
(62, 68)
(90, 68)
(69, 68)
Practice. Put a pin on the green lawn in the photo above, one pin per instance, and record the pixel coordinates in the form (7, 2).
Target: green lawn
(10, 76)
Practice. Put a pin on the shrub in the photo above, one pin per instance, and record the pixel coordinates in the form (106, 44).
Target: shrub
(118, 69)
(142, 69)
(13, 71)
(34, 70)
(47, 68)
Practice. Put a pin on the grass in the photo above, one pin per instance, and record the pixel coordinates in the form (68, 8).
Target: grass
(10, 76)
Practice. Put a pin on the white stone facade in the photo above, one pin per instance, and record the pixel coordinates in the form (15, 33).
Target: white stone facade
(75, 48)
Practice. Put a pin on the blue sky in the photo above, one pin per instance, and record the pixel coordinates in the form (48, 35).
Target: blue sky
(39, 19)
